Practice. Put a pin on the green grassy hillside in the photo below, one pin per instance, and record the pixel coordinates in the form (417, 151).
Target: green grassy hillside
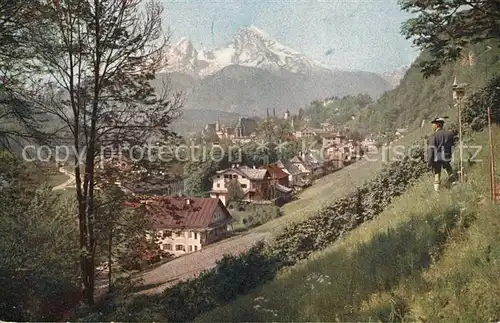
(418, 99)
(428, 257)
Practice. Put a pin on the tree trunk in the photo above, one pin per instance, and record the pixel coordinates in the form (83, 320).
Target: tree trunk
(89, 280)
(110, 261)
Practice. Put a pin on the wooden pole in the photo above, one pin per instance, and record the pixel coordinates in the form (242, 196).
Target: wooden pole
(492, 157)
(460, 140)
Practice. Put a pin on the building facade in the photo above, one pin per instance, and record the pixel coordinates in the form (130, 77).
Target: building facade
(182, 225)
(253, 182)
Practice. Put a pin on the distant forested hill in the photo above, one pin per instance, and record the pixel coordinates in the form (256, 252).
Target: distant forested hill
(418, 99)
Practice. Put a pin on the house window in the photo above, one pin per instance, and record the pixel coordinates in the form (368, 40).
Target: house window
(196, 235)
(167, 246)
(167, 234)
(243, 185)
(218, 185)
(218, 176)
(195, 248)
(227, 176)
(190, 248)
(179, 234)
(190, 234)
(180, 247)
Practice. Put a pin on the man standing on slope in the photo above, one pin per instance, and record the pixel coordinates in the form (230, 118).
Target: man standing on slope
(439, 154)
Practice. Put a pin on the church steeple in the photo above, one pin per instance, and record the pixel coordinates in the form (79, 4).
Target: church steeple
(274, 112)
(217, 125)
(267, 113)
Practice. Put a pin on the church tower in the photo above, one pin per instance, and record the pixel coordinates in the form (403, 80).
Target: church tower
(217, 125)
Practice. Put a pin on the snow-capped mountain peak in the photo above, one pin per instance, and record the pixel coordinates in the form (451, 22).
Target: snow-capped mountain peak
(257, 30)
(251, 47)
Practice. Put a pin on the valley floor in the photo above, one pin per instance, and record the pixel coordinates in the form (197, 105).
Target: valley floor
(428, 257)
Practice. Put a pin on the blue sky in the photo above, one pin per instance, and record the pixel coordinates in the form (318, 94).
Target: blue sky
(347, 34)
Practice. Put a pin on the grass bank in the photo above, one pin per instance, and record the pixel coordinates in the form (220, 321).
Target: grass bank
(428, 257)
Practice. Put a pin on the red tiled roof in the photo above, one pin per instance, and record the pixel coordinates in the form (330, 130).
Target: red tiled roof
(275, 171)
(174, 212)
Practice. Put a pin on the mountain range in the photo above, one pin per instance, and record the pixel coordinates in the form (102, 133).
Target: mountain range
(254, 72)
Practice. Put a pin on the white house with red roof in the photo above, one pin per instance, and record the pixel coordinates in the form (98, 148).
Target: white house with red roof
(186, 224)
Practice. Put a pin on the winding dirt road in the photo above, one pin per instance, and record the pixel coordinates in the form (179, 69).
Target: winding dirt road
(70, 183)
(192, 264)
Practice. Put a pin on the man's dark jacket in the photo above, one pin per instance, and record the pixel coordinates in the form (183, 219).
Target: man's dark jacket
(440, 146)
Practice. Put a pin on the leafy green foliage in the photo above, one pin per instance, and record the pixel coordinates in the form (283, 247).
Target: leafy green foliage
(475, 112)
(337, 110)
(235, 193)
(445, 28)
(198, 176)
(38, 249)
(274, 129)
(301, 239)
(120, 233)
(261, 216)
(18, 120)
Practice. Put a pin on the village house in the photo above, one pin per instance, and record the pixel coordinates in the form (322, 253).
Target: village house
(277, 175)
(255, 183)
(336, 157)
(314, 163)
(298, 176)
(305, 133)
(369, 144)
(185, 224)
(333, 140)
(281, 193)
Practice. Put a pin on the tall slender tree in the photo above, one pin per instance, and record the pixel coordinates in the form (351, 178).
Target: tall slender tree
(98, 58)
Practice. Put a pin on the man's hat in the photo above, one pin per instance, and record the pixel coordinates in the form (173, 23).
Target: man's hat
(438, 120)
